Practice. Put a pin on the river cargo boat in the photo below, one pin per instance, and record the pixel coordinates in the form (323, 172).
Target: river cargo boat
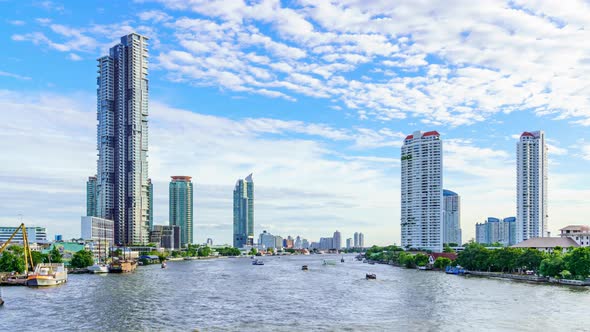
(122, 266)
(48, 274)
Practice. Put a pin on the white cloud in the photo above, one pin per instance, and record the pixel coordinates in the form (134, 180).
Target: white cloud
(17, 22)
(74, 57)
(12, 75)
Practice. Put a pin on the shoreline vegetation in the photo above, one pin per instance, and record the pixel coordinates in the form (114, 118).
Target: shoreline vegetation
(568, 266)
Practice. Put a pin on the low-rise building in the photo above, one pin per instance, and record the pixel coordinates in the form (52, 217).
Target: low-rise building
(578, 233)
(547, 244)
(34, 234)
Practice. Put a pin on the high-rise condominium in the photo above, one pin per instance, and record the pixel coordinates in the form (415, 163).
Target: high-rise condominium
(91, 196)
(451, 217)
(356, 239)
(349, 243)
(531, 186)
(421, 191)
(337, 240)
(122, 135)
(244, 212)
(361, 240)
(181, 207)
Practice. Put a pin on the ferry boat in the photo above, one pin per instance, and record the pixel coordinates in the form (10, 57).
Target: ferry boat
(124, 266)
(48, 274)
(371, 276)
(257, 262)
(98, 268)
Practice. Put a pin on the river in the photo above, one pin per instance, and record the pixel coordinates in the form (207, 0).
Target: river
(230, 294)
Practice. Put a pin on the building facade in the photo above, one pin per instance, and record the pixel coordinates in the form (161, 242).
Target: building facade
(326, 243)
(349, 243)
(531, 186)
(496, 230)
(421, 191)
(181, 207)
(337, 240)
(361, 240)
(91, 196)
(356, 239)
(244, 212)
(267, 240)
(122, 139)
(167, 236)
(451, 217)
(150, 204)
(34, 235)
(578, 233)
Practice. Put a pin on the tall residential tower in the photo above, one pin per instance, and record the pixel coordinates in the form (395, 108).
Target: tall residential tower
(451, 217)
(421, 191)
(181, 207)
(91, 193)
(122, 139)
(244, 212)
(531, 186)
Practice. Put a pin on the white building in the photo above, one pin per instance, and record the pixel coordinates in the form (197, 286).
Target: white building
(361, 240)
(337, 240)
(421, 191)
(267, 240)
(531, 186)
(578, 233)
(298, 243)
(97, 229)
(349, 243)
(34, 234)
(356, 239)
(278, 242)
(451, 217)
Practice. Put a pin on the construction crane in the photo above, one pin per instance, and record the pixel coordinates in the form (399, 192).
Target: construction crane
(27, 249)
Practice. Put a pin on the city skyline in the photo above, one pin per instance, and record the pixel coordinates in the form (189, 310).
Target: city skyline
(322, 129)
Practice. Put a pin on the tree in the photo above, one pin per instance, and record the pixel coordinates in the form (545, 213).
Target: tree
(552, 266)
(577, 262)
(10, 262)
(55, 256)
(253, 252)
(270, 251)
(448, 249)
(474, 257)
(504, 259)
(421, 259)
(38, 257)
(442, 262)
(82, 259)
(204, 252)
(530, 259)
(407, 260)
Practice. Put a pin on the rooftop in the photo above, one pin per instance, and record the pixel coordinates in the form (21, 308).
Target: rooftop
(581, 228)
(547, 242)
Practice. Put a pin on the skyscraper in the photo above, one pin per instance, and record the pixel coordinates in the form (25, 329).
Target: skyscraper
(181, 207)
(150, 204)
(122, 135)
(349, 243)
(451, 217)
(421, 191)
(91, 196)
(494, 230)
(356, 239)
(361, 240)
(531, 186)
(337, 240)
(244, 212)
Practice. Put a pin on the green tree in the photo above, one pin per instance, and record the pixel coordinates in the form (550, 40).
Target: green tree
(10, 262)
(407, 260)
(474, 257)
(552, 266)
(504, 259)
(421, 259)
(530, 259)
(38, 257)
(253, 252)
(270, 251)
(55, 256)
(448, 249)
(577, 262)
(442, 262)
(204, 251)
(82, 259)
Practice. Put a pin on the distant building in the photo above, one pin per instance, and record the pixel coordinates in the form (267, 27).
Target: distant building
(421, 191)
(547, 244)
(451, 217)
(361, 240)
(278, 242)
(298, 242)
(349, 243)
(167, 236)
(34, 234)
(495, 230)
(531, 185)
(356, 239)
(91, 196)
(97, 229)
(209, 242)
(244, 212)
(578, 233)
(288, 243)
(181, 207)
(58, 238)
(267, 240)
(337, 241)
(326, 243)
(150, 204)
(305, 244)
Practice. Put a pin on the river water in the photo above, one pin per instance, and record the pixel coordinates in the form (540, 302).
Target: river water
(230, 294)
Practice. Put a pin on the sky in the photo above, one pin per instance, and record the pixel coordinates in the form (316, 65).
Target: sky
(313, 97)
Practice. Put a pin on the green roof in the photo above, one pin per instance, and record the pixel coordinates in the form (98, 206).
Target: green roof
(65, 247)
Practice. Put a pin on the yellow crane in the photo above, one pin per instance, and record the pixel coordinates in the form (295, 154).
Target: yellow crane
(27, 249)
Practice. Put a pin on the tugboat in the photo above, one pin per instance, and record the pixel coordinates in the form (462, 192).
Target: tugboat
(48, 274)
(371, 276)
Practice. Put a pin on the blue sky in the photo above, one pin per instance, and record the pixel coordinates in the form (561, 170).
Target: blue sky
(313, 97)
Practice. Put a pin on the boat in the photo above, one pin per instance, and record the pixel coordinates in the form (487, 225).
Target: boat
(1, 300)
(304, 268)
(257, 262)
(164, 265)
(371, 276)
(48, 274)
(328, 262)
(98, 268)
(122, 266)
(342, 260)
(455, 270)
